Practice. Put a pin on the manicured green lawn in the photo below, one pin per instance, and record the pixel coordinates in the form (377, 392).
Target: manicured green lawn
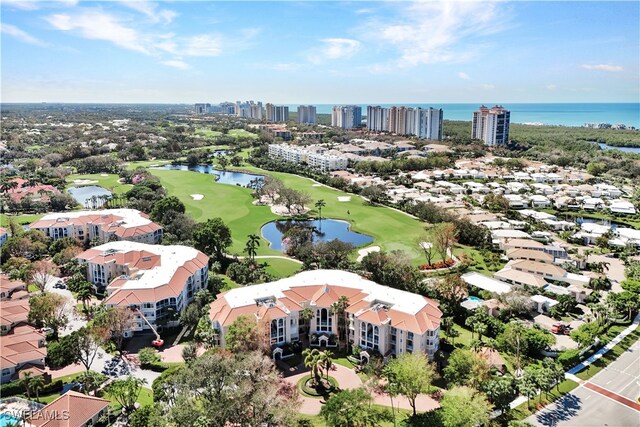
(523, 411)
(242, 133)
(20, 219)
(281, 267)
(392, 230)
(231, 203)
(464, 339)
(208, 133)
(610, 356)
(110, 182)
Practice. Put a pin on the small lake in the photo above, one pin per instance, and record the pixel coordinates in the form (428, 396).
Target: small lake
(223, 177)
(326, 230)
(635, 150)
(84, 194)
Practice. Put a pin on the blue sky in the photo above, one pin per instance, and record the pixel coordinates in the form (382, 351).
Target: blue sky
(320, 52)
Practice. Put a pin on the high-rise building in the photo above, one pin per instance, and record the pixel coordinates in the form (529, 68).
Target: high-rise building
(202, 108)
(277, 113)
(428, 123)
(346, 116)
(224, 108)
(491, 125)
(307, 114)
(249, 109)
(377, 119)
(421, 122)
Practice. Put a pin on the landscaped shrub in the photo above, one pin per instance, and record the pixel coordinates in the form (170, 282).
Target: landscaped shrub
(148, 356)
(569, 358)
(12, 388)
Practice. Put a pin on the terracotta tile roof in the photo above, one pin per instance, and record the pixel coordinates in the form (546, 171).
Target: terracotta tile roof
(78, 408)
(402, 309)
(14, 311)
(8, 285)
(21, 346)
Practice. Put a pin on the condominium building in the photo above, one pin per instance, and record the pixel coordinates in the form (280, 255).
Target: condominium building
(224, 108)
(425, 123)
(307, 114)
(491, 125)
(314, 156)
(378, 318)
(346, 116)
(157, 280)
(249, 109)
(277, 113)
(104, 225)
(377, 119)
(202, 108)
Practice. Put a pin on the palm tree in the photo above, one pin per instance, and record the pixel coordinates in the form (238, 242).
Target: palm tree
(253, 243)
(339, 308)
(306, 315)
(36, 384)
(84, 294)
(312, 358)
(319, 205)
(6, 185)
(223, 162)
(26, 382)
(326, 361)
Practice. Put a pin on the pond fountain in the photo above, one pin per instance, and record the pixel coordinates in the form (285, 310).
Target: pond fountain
(324, 230)
(223, 177)
(85, 193)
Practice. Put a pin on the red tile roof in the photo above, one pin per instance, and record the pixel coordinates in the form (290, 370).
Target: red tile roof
(72, 409)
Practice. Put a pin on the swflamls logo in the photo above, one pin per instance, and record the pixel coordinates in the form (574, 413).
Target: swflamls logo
(45, 414)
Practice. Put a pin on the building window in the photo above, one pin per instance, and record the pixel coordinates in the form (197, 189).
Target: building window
(409, 341)
(324, 322)
(278, 331)
(369, 336)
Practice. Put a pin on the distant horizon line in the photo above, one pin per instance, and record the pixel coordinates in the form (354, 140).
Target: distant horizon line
(309, 103)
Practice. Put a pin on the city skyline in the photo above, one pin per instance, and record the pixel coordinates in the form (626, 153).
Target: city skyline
(353, 53)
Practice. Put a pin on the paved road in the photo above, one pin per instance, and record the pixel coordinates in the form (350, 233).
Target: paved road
(607, 399)
(76, 322)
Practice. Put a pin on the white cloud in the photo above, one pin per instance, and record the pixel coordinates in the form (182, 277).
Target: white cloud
(21, 4)
(202, 45)
(439, 32)
(551, 87)
(150, 9)
(176, 63)
(334, 48)
(98, 25)
(464, 76)
(603, 67)
(363, 11)
(13, 31)
(487, 86)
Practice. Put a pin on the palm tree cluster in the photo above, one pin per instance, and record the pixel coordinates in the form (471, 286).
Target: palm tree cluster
(318, 361)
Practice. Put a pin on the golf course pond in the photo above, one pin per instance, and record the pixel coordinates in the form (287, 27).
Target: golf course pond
(83, 194)
(223, 177)
(324, 230)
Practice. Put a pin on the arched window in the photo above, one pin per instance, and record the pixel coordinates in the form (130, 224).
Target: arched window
(369, 336)
(278, 331)
(324, 320)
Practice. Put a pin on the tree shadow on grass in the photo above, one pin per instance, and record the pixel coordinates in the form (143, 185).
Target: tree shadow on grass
(563, 410)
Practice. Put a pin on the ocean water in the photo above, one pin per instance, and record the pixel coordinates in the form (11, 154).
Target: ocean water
(549, 114)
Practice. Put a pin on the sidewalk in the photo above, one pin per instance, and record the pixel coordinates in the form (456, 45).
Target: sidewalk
(571, 373)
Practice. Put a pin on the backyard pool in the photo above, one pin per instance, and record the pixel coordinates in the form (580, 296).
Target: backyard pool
(323, 231)
(9, 420)
(475, 299)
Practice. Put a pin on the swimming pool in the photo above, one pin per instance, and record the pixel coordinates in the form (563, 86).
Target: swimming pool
(8, 420)
(476, 299)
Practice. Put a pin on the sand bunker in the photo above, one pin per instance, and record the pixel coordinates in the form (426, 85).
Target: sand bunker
(104, 174)
(344, 198)
(366, 251)
(317, 185)
(84, 181)
(197, 196)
